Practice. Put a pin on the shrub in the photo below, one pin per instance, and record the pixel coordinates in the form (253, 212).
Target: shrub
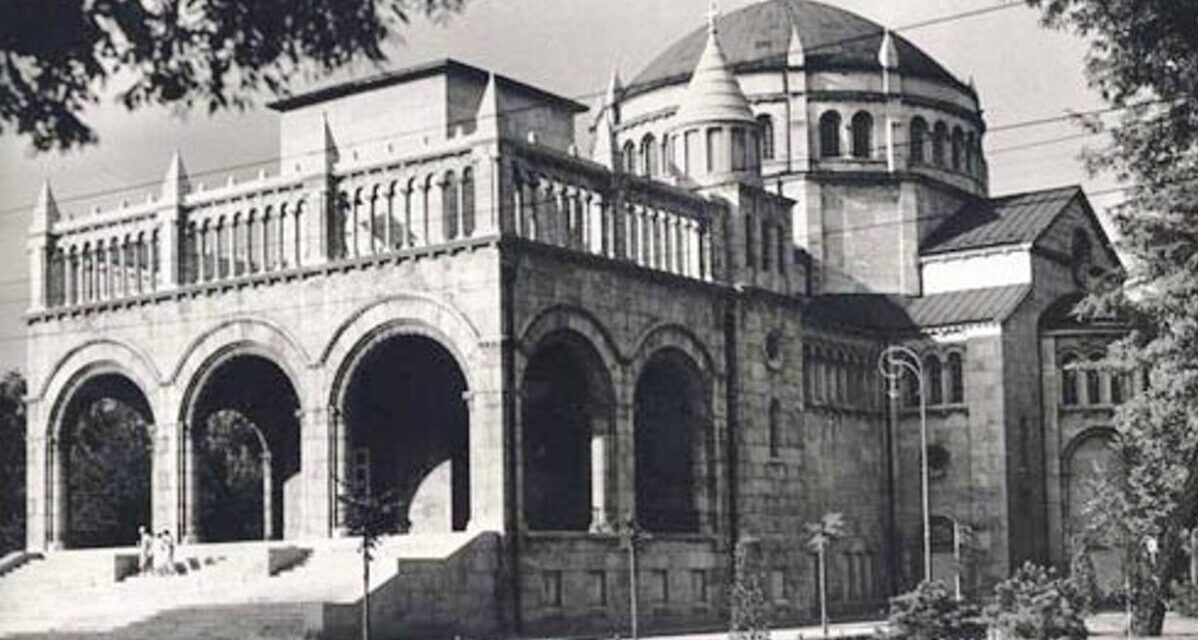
(1035, 604)
(931, 612)
(1184, 599)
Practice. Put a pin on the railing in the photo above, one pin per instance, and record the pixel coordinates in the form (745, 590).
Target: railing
(282, 223)
(652, 225)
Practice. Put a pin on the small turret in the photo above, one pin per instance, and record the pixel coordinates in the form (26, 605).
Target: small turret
(714, 132)
(796, 54)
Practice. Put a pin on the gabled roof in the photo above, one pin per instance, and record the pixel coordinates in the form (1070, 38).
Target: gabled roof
(893, 313)
(1009, 220)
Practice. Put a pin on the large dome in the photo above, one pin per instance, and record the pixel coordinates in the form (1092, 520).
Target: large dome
(757, 37)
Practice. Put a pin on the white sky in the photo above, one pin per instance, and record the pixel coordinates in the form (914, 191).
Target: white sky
(1022, 72)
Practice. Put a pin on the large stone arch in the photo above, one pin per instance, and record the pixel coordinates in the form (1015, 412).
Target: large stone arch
(564, 317)
(673, 382)
(106, 384)
(403, 314)
(678, 337)
(89, 357)
(228, 338)
(1076, 487)
(277, 376)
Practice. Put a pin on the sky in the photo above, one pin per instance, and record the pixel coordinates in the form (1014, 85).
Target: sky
(1022, 72)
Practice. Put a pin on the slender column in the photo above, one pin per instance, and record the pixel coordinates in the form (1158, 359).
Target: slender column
(602, 519)
(339, 431)
(59, 461)
(268, 519)
(190, 485)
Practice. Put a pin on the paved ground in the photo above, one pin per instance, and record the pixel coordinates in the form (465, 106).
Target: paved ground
(1112, 625)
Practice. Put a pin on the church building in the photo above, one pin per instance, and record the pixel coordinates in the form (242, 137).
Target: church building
(670, 327)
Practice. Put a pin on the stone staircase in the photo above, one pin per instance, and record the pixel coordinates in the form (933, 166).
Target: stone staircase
(233, 590)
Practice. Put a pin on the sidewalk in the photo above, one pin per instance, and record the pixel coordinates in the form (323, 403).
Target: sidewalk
(845, 630)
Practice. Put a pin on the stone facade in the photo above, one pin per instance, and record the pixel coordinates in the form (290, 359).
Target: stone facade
(439, 296)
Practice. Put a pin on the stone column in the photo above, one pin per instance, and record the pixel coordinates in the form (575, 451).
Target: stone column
(190, 525)
(268, 519)
(59, 505)
(37, 497)
(624, 459)
(487, 458)
(603, 504)
(339, 469)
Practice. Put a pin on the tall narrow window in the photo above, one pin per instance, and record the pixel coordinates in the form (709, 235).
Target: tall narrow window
(766, 245)
(829, 135)
(956, 379)
(934, 380)
(919, 134)
(958, 147)
(740, 160)
(863, 135)
(449, 206)
(939, 138)
(765, 127)
(775, 428)
(1094, 380)
(649, 155)
(1069, 380)
(690, 152)
(467, 202)
(715, 150)
(750, 258)
(629, 158)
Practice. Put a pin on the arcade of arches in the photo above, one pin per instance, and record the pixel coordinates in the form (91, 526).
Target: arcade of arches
(402, 429)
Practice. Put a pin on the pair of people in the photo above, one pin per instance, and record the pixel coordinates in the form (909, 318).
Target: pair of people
(157, 552)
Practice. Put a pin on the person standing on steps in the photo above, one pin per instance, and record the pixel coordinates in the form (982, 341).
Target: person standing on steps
(164, 553)
(145, 547)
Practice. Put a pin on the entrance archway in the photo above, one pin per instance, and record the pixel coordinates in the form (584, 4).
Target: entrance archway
(246, 438)
(567, 411)
(407, 434)
(670, 424)
(103, 463)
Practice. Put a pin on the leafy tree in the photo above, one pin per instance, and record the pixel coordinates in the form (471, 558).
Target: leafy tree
(109, 475)
(60, 56)
(1143, 59)
(12, 462)
(231, 499)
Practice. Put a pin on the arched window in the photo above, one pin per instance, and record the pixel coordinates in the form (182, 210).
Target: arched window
(1118, 384)
(935, 379)
(715, 145)
(863, 135)
(970, 141)
(740, 150)
(911, 387)
(667, 153)
(939, 138)
(829, 135)
(958, 147)
(956, 379)
(629, 158)
(1069, 380)
(919, 135)
(649, 155)
(765, 127)
(775, 427)
(1094, 380)
(467, 201)
(449, 206)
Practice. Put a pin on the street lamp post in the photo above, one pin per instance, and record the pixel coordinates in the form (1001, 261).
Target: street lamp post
(892, 359)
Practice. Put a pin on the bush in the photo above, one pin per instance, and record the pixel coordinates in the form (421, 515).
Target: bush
(1184, 599)
(1035, 604)
(931, 612)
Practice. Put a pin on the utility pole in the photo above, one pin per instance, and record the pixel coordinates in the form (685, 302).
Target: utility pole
(820, 535)
(630, 534)
(890, 361)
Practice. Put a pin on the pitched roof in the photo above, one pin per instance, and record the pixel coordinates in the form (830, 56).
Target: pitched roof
(1014, 219)
(758, 37)
(893, 313)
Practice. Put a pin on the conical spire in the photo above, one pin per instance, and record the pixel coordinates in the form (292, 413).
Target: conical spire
(176, 182)
(488, 109)
(887, 52)
(713, 94)
(614, 88)
(796, 55)
(604, 150)
(45, 212)
(330, 145)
